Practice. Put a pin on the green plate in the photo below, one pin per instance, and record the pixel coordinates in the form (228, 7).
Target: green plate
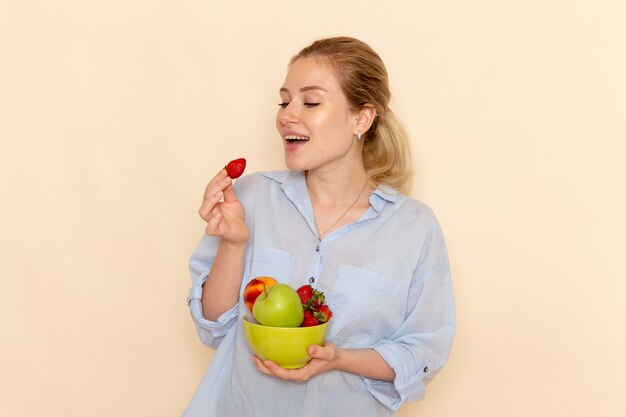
(286, 346)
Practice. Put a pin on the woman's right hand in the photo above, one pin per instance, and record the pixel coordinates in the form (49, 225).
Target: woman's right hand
(222, 210)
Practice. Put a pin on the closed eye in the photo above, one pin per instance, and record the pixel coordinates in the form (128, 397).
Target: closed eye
(285, 104)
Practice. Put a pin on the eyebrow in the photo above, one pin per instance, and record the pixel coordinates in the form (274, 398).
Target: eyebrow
(303, 89)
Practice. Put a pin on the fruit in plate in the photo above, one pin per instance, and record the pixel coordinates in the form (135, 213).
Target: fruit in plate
(323, 313)
(235, 168)
(278, 306)
(310, 297)
(309, 319)
(306, 293)
(255, 287)
(316, 311)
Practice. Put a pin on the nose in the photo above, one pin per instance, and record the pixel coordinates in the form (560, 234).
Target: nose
(287, 115)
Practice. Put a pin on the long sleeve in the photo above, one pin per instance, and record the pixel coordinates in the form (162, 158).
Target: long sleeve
(210, 332)
(420, 347)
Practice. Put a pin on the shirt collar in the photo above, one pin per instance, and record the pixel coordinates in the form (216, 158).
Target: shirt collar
(293, 182)
(382, 195)
(290, 181)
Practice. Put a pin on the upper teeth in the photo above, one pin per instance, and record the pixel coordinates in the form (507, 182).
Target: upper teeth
(292, 137)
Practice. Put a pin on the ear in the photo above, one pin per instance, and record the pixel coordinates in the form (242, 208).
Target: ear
(364, 119)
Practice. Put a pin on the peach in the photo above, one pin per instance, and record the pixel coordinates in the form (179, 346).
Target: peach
(256, 287)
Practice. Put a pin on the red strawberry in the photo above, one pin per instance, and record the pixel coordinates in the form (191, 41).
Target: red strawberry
(317, 300)
(306, 293)
(310, 297)
(309, 319)
(235, 168)
(323, 313)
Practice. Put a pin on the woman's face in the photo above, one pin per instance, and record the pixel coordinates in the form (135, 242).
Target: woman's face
(314, 120)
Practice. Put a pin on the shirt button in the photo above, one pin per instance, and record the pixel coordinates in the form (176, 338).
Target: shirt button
(311, 280)
(426, 369)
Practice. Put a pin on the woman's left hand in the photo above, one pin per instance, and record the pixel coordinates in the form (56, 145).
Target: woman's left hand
(322, 359)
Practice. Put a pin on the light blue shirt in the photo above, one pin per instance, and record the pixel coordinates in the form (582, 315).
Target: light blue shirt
(385, 277)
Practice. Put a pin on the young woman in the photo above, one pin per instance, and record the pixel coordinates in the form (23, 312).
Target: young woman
(337, 218)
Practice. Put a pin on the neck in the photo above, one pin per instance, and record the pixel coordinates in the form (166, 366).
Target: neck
(337, 200)
(335, 189)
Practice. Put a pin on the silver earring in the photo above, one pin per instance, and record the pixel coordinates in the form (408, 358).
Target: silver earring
(359, 135)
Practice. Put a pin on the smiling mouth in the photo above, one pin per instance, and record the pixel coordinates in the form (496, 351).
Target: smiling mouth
(296, 139)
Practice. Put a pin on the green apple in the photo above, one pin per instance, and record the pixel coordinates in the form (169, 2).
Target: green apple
(278, 306)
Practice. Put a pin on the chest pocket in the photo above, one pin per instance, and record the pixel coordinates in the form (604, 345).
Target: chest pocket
(269, 262)
(366, 307)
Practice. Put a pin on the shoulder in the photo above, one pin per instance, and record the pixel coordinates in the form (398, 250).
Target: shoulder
(411, 221)
(265, 184)
(403, 207)
(419, 209)
(260, 179)
(416, 226)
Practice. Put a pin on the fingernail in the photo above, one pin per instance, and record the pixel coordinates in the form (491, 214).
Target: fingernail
(219, 195)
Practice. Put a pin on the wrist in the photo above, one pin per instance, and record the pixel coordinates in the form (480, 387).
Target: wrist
(364, 362)
(233, 246)
(340, 359)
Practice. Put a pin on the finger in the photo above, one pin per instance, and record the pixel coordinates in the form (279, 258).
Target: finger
(209, 204)
(213, 222)
(217, 178)
(221, 174)
(321, 352)
(297, 374)
(260, 366)
(279, 371)
(216, 189)
(229, 193)
(217, 183)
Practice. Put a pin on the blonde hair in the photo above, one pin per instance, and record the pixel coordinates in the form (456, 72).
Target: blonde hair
(364, 80)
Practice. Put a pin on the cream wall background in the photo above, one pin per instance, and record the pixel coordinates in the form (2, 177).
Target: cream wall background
(114, 114)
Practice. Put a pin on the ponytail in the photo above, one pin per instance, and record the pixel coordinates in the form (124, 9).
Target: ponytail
(387, 155)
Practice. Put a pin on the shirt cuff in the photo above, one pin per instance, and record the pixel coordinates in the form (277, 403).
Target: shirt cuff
(210, 332)
(408, 385)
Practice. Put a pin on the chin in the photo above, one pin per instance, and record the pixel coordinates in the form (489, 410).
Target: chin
(295, 165)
